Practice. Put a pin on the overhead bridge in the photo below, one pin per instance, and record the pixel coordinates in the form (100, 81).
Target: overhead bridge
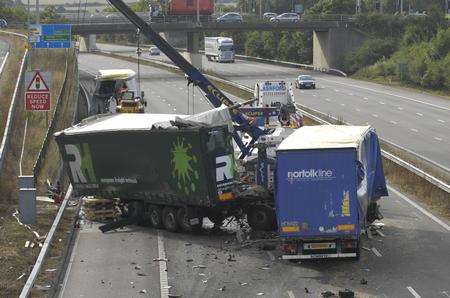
(333, 36)
(126, 27)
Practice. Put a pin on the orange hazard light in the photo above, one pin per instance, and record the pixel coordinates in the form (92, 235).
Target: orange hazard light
(226, 196)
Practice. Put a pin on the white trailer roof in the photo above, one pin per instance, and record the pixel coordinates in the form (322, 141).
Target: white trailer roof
(118, 122)
(115, 74)
(324, 137)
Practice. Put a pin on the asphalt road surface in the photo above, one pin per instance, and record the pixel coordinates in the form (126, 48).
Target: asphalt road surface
(408, 259)
(417, 121)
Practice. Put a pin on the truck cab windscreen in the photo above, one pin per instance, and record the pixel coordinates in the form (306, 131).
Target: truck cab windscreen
(226, 48)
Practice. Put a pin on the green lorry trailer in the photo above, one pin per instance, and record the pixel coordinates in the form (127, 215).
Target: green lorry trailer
(168, 172)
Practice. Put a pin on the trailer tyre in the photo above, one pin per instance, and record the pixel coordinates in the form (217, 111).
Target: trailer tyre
(261, 218)
(155, 217)
(184, 221)
(169, 218)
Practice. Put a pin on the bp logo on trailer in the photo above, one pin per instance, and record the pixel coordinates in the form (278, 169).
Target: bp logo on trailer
(184, 167)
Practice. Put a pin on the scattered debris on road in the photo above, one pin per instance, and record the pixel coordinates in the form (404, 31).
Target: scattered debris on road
(346, 294)
(198, 267)
(328, 294)
(222, 289)
(363, 281)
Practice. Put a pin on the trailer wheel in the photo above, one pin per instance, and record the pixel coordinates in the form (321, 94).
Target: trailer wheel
(261, 218)
(184, 222)
(156, 217)
(169, 218)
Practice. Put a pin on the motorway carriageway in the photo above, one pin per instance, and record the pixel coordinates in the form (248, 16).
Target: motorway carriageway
(415, 120)
(409, 259)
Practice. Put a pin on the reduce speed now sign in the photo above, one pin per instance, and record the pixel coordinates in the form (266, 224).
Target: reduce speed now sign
(37, 94)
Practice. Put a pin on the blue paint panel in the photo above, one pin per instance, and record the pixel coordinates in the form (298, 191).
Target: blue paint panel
(316, 193)
(54, 36)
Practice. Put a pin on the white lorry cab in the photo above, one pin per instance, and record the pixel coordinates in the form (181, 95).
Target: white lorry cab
(273, 94)
(220, 49)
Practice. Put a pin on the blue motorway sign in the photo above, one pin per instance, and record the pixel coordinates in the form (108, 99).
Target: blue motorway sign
(50, 36)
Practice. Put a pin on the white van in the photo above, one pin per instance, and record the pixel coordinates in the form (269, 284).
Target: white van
(220, 49)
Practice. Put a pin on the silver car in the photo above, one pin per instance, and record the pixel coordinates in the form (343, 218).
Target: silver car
(231, 17)
(287, 17)
(269, 15)
(3, 23)
(154, 51)
(305, 82)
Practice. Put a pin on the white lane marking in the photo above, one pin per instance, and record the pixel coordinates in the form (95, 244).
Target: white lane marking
(381, 103)
(445, 294)
(376, 252)
(419, 114)
(271, 256)
(290, 294)
(440, 120)
(425, 212)
(415, 130)
(358, 110)
(351, 94)
(366, 98)
(400, 108)
(327, 99)
(413, 292)
(393, 122)
(301, 91)
(375, 115)
(437, 139)
(314, 95)
(388, 93)
(163, 281)
(343, 104)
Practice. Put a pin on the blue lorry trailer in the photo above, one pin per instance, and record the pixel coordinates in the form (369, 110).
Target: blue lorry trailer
(329, 178)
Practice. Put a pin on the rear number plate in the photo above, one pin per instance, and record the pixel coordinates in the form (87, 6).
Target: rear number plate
(322, 245)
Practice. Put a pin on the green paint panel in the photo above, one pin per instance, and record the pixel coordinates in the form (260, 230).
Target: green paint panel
(168, 167)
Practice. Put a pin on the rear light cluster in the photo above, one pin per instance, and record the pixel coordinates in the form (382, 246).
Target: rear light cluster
(349, 245)
(290, 248)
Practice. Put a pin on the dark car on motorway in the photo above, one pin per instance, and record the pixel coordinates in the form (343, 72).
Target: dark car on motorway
(288, 17)
(305, 82)
(269, 15)
(231, 17)
(3, 23)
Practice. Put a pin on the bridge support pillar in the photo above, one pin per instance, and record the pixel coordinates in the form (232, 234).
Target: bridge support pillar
(329, 46)
(88, 43)
(193, 55)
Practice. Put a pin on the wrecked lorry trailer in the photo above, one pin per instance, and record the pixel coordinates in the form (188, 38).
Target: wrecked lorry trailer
(329, 179)
(167, 171)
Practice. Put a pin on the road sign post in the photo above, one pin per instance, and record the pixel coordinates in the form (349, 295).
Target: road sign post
(37, 93)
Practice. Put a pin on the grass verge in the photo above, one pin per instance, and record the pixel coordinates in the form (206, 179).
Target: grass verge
(9, 76)
(15, 259)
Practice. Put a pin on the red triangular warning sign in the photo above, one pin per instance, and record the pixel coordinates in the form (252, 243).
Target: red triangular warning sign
(38, 84)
